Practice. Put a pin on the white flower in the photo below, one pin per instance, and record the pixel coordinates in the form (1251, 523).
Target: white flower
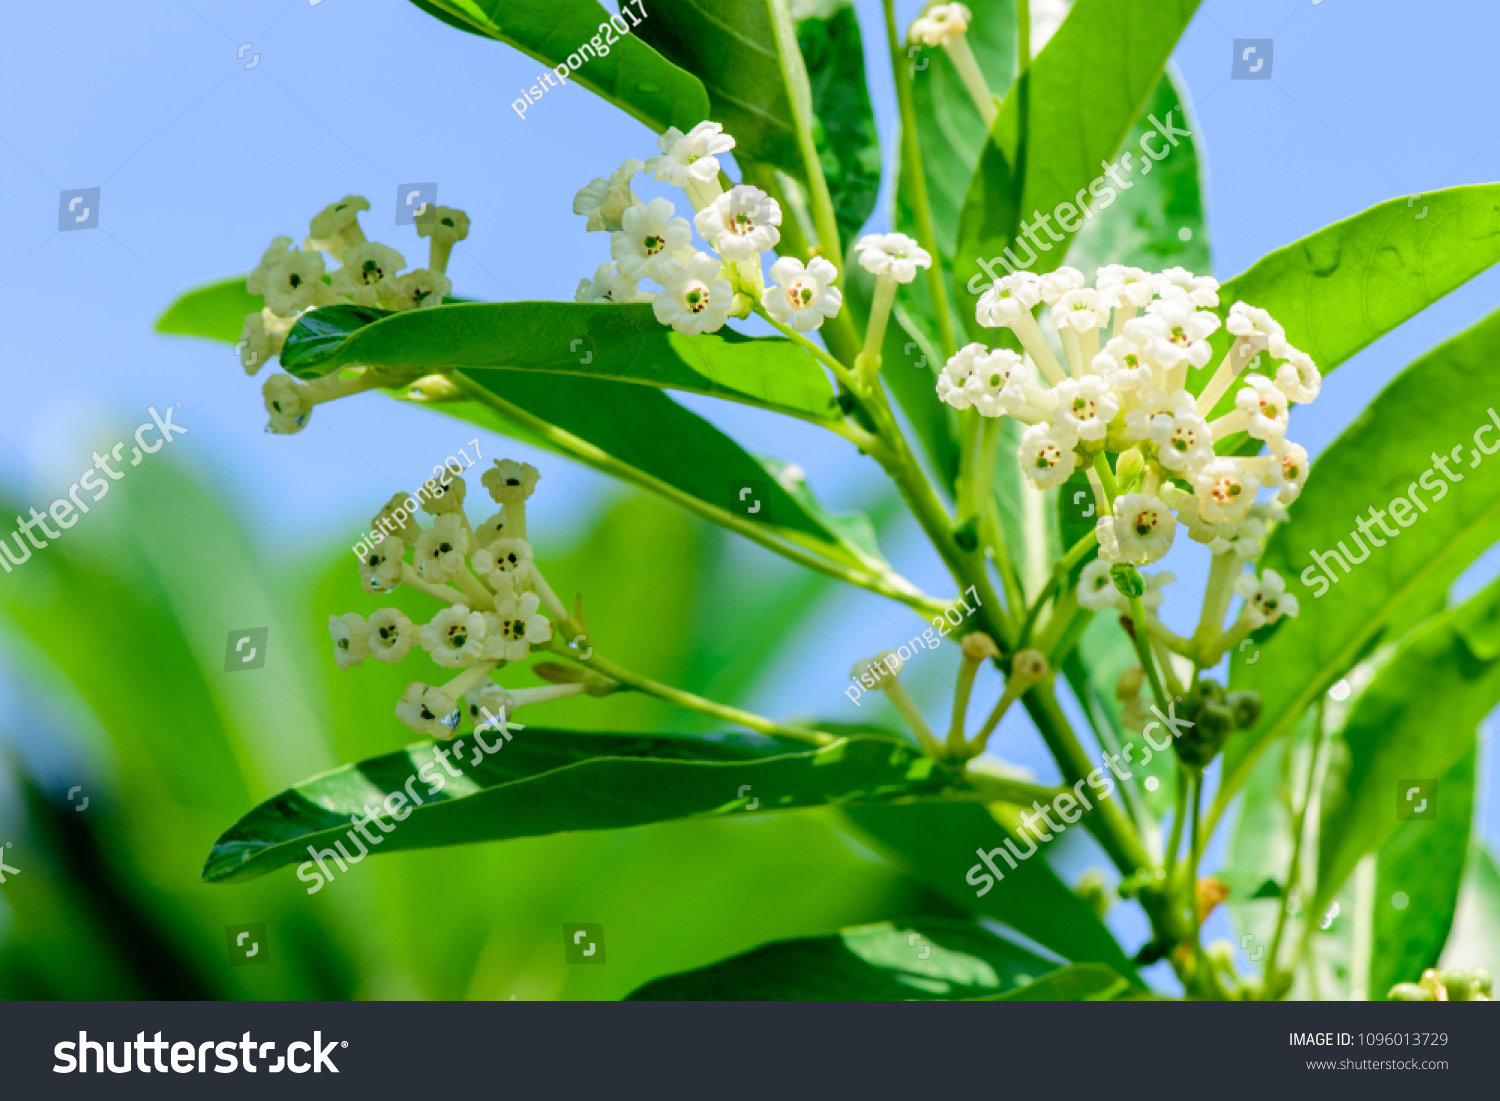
(502, 557)
(1007, 299)
(443, 224)
(894, 254)
(455, 637)
(1183, 439)
(697, 298)
(426, 710)
(1123, 288)
(492, 699)
(274, 254)
(609, 285)
(995, 383)
(1246, 539)
(439, 551)
(1264, 408)
(1046, 455)
(690, 157)
(953, 379)
(492, 529)
(510, 482)
(1155, 594)
(1085, 406)
(1057, 283)
(369, 273)
(1201, 290)
(1079, 309)
(1266, 600)
(647, 232)
(293, 284)
(883, 668)
(1198, 529)
(263, 336)
(390, 635)
(1184, 328)
(380, 567)
(1143, 527)
(1226, 490)
(1109, 546)
(802, 297)
(1256, 330)
(604, 201)
(1124, 362)
(420, 289)
(350, 639)
(940, 23)
(1298, 377)
(1096, 589)
(515, 627)
(741, 223)
(335, 228)
(287, 402)
(1292, 460)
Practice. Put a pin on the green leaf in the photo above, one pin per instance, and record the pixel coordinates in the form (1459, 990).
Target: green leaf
(630, 74)
(216, 311)
(1045, 149)
(621, 343)
(1339, 289)
(1417, 876)
(312, 347)
(732, 49)
(939, 844)
(1475, 940)
(844, 121)
(922, 959)
(1411, 726)
(1082, 982)
(662, 443)
(1144, 227)
(546, 781)
(1437, 402)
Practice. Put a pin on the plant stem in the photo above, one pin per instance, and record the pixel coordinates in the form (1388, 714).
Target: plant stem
(962, 56)
(1196, 844)
(885, 583)
(1294, 872)
(799, 94)
(1107, 476)
(840, 372)
(915, 175)
(688, 700)
(961, 693)
(1060, 572)
(1140, 634)
(1179, 815)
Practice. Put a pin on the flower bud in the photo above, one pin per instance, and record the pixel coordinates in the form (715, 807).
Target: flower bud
(1026, 668)
(1128, 467)
(1408, 992)
(1245, 706)
(555, 672)
(1127, 579)
(978, 646)
(1128, 686)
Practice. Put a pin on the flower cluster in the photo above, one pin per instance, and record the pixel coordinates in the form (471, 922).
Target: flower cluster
(699, 290)
(493, 596)
(1129, 342)
(294, 281)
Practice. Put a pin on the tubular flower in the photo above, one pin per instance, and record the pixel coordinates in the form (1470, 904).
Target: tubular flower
(690, 157)
(696, 297)
(603, 202)
(893, 254)
(741, 223)
(939, 24)
(648, 234)
(1266, 599)
(802, 297)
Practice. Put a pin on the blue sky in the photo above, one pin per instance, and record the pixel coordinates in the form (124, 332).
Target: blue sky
(210, 127)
